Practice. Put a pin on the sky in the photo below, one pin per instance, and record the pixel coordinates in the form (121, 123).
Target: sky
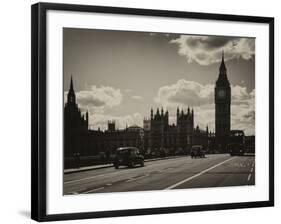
(121, 75)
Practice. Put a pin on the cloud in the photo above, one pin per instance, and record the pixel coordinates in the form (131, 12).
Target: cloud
(240, 94)
(205, 116)
(206, 50)
(243, 113)
(98, 98)
(137, 97)
(101, 120)
(99, 101)
(165, 35)
(186, 93)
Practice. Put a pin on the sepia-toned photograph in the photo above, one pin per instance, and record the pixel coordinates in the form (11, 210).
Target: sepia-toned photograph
(147, 111)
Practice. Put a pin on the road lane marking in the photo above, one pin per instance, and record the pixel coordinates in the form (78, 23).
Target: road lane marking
(101, 175)
(86, 178)
(137, 178)
(89, 178)
(152, 165)
(93, 190)
(197, 175)
(249, 177)
(115, 173)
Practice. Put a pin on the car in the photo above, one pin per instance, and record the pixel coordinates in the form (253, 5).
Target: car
(197, 151)
(128, 156)
(236, 149)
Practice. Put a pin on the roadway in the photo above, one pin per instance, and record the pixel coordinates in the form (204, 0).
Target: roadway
(220, 170)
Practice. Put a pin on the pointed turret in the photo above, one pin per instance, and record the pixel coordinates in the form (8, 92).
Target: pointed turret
(222, 66)
(71, 98)
(222, 79)
(87, 119)
(223, 107)
(157, 111)
(71, 84)
(87, 116)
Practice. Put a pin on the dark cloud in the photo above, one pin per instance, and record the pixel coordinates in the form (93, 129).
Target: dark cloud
(166, 36)
(206, 50)
(211, 43)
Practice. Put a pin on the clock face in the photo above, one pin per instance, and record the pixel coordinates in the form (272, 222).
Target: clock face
(221, 93)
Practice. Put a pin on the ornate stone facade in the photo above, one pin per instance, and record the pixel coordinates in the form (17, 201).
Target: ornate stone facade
(223, 103)
(156, 136)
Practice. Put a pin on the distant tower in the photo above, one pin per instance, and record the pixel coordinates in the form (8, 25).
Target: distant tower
(71, 98)
(75, 125)
(185, 124)
(111, 126)
(222, 101)
(87, 118)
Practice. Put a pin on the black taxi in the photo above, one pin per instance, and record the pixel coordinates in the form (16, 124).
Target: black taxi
(128, 156)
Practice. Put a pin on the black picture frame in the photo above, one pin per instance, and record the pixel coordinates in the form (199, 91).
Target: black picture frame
(39, 122)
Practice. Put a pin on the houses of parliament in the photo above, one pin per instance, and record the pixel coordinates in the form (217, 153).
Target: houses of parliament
(156, 135)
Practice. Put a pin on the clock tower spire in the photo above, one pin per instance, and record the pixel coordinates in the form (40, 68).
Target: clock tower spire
(222, 102)
(71, 98)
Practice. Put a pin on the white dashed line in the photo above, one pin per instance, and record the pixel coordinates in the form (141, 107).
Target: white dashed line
(249, 177)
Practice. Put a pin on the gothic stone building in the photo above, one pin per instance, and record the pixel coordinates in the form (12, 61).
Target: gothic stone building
(87, 144)
(160, 135)
(156, 135)
(75, 125)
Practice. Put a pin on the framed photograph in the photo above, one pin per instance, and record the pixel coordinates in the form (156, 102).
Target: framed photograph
(139, 111)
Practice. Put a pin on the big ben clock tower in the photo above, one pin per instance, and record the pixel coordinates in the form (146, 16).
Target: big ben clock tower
(222, 101)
